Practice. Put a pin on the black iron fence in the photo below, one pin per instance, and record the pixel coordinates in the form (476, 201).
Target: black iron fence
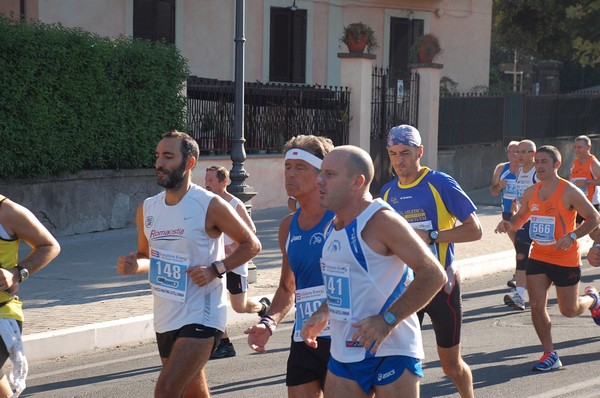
(273, 113)
(394, 101)
(468, 119)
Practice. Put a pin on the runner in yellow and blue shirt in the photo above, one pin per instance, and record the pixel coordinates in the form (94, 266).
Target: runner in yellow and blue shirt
(432, 202)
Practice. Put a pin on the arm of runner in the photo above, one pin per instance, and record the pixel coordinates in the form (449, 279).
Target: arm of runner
(243, 213)
(520, 217)
(468, 231)
(259, 334)
(221, 218)
(25, 226)
(315, 325)
(574, 198)
(595, 173)
(136, 263)
(387, 233)
(497, 184)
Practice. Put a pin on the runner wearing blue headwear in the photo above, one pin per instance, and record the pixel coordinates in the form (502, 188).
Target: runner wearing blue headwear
(432, 202)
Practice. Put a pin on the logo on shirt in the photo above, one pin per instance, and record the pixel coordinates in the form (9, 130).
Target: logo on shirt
(149, 221)
(167, 234)
(534, 207)
(295, 238)
(334, 246)
(316, 239)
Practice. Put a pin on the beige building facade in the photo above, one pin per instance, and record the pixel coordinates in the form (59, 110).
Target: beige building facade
(204, 30)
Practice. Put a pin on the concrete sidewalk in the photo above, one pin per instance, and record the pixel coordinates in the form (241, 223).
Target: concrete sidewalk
(79, 303)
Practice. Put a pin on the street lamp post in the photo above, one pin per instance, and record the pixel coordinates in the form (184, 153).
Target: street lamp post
(238, 174)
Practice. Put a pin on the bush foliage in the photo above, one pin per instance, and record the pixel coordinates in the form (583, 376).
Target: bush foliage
(71, 100)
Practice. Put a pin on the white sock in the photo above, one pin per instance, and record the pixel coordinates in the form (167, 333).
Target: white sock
(521, 291)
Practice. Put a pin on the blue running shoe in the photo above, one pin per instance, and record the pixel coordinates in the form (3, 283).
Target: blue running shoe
(595, 308)
(548, 361)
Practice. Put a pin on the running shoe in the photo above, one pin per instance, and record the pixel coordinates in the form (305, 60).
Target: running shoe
(548, 361)
(515, 301)
(512, 283)
(595, 308)
(224, 350)
(266, 304)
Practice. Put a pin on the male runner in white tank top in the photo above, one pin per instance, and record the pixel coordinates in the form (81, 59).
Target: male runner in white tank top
(180, 246)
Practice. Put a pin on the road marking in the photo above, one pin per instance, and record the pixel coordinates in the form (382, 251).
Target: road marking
(571, 388)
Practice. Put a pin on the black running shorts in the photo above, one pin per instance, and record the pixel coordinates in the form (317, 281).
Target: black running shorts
(166, 340)
(445, 311)
(306, 364)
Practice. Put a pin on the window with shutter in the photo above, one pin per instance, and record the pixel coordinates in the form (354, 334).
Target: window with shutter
(287, 51)
(403, 33)
(154, 20)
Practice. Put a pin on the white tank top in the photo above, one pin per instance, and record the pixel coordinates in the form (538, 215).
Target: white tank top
(177, 240)
(360, 283)
(242, 270)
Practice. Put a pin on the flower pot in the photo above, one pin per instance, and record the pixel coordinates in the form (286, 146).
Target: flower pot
(425, 56)
(357, 46)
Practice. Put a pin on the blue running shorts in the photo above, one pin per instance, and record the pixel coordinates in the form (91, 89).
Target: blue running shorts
(378, 371)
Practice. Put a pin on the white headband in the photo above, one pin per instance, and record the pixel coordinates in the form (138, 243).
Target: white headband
(301, 154)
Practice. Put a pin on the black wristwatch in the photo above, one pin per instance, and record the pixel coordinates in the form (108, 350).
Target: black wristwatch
(219, 268)
(433, 236)
(23, 273)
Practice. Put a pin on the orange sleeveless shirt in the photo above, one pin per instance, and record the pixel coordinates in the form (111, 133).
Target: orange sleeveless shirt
(584, 171)
(550, 221)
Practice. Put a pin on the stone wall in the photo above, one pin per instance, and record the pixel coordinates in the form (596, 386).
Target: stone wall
(101, 200)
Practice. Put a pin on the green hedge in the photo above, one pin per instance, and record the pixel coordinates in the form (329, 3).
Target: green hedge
(71, 100)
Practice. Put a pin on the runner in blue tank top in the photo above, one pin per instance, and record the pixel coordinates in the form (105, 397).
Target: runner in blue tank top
(504, 182)
(301, 238)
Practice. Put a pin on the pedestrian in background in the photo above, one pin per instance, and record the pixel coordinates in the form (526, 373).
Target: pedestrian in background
(432, 202)
(216, 180)
(551, 206)
(301, 238)
(18, 224)
(180, 246)
(372, 294)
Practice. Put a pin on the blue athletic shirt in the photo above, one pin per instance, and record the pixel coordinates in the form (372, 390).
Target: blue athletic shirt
(509, 192)
(434, 201)
(304, 248)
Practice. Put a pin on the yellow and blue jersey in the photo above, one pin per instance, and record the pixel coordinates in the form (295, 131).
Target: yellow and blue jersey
(433, 202)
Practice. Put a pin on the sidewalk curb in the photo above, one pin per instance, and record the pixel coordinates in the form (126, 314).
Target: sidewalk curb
(79, 339)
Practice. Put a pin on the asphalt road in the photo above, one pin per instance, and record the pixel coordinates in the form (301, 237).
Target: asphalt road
(499, 344)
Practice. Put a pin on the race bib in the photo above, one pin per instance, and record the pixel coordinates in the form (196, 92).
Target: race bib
(583, 188)
(425, 226)
(337, 287)
(541, 229)
(167, 274)
(308, 300)
(510, 189)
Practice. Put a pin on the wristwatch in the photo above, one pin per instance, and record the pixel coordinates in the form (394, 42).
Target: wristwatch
(390, 318)
(23, 273)
(433, 236)
(573, 236)
(219, 268)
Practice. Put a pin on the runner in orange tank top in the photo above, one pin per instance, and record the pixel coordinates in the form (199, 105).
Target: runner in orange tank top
(585, 172)
(550, 220)
(552, 205)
